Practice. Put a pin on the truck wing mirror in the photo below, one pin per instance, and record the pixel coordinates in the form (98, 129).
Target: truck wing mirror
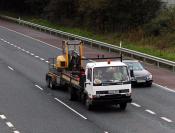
(87, 83)
(132, 73)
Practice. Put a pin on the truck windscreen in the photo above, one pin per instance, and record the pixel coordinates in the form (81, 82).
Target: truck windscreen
(110, 75)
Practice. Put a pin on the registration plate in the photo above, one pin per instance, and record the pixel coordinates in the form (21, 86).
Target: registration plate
(113, 92)
(141, 81)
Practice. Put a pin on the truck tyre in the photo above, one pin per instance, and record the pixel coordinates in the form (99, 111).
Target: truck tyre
(123, 106)
(88, 104)
(72, 94)
(51, 85)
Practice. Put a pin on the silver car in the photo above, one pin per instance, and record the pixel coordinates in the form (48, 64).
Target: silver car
(140, 74)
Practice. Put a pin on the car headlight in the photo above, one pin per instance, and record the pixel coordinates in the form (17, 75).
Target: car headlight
(150, 77)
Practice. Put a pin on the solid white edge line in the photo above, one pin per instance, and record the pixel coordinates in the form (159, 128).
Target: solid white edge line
(10, 68)
(3, 117)
(164, 88)
(39, 87)
(16, 132)
(150, 111)
(70, 108)
(30, 37)
(166, 119)
(9, 124)
(135, 104)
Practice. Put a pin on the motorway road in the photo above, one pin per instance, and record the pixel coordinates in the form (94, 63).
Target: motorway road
(28, 106)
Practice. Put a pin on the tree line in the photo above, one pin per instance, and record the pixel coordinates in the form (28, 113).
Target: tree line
(98, 15)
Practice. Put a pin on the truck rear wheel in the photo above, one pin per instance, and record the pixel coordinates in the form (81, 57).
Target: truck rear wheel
(51, 85)
(72, 94)
(123, 106)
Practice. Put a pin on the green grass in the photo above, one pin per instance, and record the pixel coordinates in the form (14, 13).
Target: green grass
(112, 38)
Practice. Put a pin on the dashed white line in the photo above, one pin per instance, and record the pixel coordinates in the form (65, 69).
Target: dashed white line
(47, 61)
(39, 87)
(3, 117)
(16, 132)
(166, 119)
(23, 49)
(9, 124)
(11, 44)
(106, 132)
(31, 54)
(27, 52)
(70, 108)
(41, 59)
(30, 37)
(19, 47)
(149, 111)
(15, 46)
(135, 104)
(36, 56)
(10, 68)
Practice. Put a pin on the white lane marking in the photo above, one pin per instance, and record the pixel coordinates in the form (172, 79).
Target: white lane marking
(27, 52)
(11, 44)
(106, 132)
(39, 87)
(2, 39)
(31, 54)
(165, 88)
(23, 50)
(166, 119)
(19, 47)
(5, 41)
(47, 61)
(150, 111)
(15, 46)
(37, 56)
(31, 37)
(71, 108)
(3, 117)
(9, 124)
(16, 132)
(10, 68)
(41, 59)
(135, 104)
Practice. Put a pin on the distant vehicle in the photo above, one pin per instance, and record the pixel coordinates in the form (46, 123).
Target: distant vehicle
(140, 74)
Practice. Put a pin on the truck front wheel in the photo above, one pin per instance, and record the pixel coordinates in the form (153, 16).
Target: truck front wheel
(123, 106)
(89, 105)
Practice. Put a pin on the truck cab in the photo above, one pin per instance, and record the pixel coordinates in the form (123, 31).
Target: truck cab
(107, 83)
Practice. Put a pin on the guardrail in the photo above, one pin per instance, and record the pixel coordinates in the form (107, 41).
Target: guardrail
(91, 42)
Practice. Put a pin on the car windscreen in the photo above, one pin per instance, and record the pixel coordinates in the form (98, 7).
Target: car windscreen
(136, 66)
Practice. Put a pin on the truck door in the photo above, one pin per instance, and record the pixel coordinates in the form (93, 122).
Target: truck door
(88, 83)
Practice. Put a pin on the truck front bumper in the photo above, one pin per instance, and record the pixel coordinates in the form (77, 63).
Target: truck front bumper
(111, 99)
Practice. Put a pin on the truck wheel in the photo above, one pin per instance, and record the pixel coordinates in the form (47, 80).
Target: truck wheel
(123, 106)
(88, 104)
(51, 85)
(72, 94)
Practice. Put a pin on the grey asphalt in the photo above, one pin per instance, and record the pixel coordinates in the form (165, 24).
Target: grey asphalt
(35, 111)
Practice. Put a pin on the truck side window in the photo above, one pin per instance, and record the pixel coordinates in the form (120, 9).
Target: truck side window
(89, 75)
